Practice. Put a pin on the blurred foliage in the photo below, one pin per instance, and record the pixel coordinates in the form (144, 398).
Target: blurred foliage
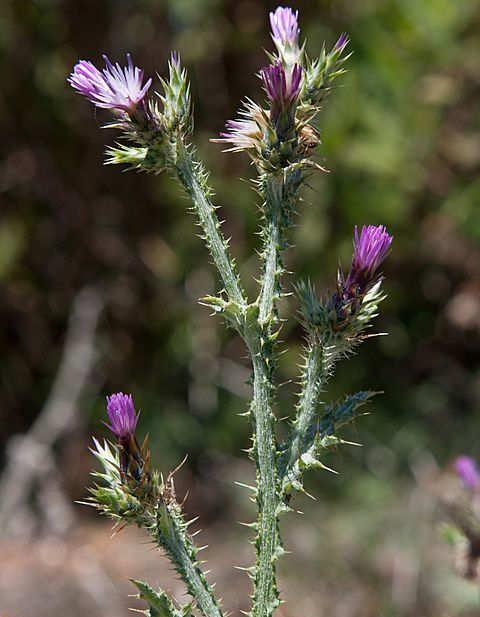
(401, 136)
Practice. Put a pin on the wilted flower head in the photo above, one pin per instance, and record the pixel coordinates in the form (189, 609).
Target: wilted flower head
(284, 24)
(112, 88)
(122, 416)
(467, 470)
(244, 132)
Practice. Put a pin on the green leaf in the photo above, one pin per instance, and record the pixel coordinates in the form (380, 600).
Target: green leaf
(159, 604)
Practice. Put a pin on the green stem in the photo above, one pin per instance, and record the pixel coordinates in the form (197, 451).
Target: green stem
(315, 374)
(280, 192)
(193, 179)
(265, 598)
(181, 550)
(272, 188)
(272, 268)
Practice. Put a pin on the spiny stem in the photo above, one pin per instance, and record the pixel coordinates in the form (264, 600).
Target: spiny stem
(314, 375)
(268, 541)
(182, 551)
(193, 179)
(280, 191)
(272, 264)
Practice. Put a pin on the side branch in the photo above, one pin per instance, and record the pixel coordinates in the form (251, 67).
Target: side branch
(149, 502)
(316, 369)
(193, 178)
(170, 532)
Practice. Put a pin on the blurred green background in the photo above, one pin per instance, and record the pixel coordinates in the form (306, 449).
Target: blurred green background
(401, 138)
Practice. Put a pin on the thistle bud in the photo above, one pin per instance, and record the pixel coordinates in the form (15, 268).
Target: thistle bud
(123, 422)
(177, 110)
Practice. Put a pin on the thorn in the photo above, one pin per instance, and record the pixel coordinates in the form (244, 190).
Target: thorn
(253, 525)
(247, 486)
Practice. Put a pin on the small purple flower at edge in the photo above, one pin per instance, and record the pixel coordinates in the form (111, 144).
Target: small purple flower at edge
(467, 470)
(122, 416)
(114, 87)
(341, 42)
(284, 24)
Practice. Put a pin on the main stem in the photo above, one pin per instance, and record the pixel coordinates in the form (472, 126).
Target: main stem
(260, 343)
(265, 598)
(272, 265)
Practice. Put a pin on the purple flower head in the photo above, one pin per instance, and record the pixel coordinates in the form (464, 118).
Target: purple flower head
(467, 471)
(122, 416)
(112, 88)
(282, 87)
(284, 24)
(370, 248)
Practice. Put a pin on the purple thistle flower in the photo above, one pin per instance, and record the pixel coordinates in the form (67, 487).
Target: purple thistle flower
(112, 88)
(467, 471)
(370, 248)
(284, 24)
(282, 87)
(122, 416)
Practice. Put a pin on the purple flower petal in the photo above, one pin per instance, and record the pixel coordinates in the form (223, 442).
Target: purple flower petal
(341, 42)
(281, 88)
(122, 416)
(114, 87)
(284, 24)
(370, 248)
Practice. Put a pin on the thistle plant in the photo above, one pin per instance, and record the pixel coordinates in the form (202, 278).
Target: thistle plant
(281, 136)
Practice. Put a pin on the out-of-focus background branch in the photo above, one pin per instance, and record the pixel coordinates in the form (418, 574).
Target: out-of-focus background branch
(401, 136)
(30, 466)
